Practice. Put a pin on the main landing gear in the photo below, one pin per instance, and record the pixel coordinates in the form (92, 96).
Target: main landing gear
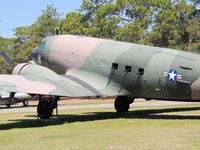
(122, 103)
(46, 106)
(25, 103)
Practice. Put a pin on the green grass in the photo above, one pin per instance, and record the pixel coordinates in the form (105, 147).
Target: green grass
(148, 128)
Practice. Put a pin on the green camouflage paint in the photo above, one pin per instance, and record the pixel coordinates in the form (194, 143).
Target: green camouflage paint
(86, 66)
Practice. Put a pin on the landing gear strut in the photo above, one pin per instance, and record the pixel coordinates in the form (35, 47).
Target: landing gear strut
(45, 106)
(25, 103)
(8, 105)
(122, 103)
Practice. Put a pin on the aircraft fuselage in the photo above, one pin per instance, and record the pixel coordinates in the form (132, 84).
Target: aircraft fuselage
(136, 70)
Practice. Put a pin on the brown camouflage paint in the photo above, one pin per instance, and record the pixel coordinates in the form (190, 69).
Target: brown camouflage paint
(18, 68)
(88, 61)
(195, 88)
(73, 50)
(26, 85)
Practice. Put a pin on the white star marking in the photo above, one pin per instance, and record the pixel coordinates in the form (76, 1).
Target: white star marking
(172, 75)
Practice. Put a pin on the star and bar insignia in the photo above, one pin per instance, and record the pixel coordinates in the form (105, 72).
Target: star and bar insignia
(172, 75)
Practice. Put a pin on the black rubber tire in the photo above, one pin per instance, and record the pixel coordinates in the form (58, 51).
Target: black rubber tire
(44, 109)
(8, 105)
(121, 104)
(25, 103)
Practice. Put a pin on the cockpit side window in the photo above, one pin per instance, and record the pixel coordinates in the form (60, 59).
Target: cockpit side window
(42, 45)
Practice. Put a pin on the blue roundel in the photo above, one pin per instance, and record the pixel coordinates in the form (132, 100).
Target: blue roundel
(172, 75)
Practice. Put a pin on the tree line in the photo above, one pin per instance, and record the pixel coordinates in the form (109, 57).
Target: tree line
(163, 23)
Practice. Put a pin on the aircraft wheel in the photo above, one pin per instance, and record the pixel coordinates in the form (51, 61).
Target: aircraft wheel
(122, 104)
(25, 103)
(8, 105)
(44, 109)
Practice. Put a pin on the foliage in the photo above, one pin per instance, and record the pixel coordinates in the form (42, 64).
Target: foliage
(160, 22)
(163, 23)
(73, 24)
(28, 37)
(5, 45)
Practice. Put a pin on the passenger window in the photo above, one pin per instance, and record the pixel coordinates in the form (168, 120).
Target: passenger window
(128, 69)
(141, 71)
(114, 66)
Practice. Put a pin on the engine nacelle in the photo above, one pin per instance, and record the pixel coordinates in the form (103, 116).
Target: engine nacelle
(17, 70)
(33, 70)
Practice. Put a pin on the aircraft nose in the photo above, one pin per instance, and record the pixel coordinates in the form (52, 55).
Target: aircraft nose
(36, 55)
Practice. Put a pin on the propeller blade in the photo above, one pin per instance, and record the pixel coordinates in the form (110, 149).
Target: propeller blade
(7, 59)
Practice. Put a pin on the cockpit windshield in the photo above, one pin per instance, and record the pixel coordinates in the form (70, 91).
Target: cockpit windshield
(42, 45)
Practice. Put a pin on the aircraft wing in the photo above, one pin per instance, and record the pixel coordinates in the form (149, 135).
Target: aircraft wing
(66, 85)
(41, 85)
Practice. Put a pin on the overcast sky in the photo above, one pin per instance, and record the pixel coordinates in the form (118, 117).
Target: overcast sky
(15, 13)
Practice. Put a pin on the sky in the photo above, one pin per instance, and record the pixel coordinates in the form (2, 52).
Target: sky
(15, 13)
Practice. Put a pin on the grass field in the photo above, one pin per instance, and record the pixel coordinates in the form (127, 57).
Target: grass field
(148, 128)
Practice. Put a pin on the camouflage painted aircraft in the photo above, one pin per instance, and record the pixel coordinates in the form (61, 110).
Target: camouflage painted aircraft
(69, 65)
(8, 99)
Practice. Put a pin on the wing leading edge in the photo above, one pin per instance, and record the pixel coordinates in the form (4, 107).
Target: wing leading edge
(59, 86)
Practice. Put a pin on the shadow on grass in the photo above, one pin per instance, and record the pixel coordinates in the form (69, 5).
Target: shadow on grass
(16, 106)
(94, 116)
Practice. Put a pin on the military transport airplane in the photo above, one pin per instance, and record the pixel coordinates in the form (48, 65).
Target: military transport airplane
(8, 99)
(70, 65)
